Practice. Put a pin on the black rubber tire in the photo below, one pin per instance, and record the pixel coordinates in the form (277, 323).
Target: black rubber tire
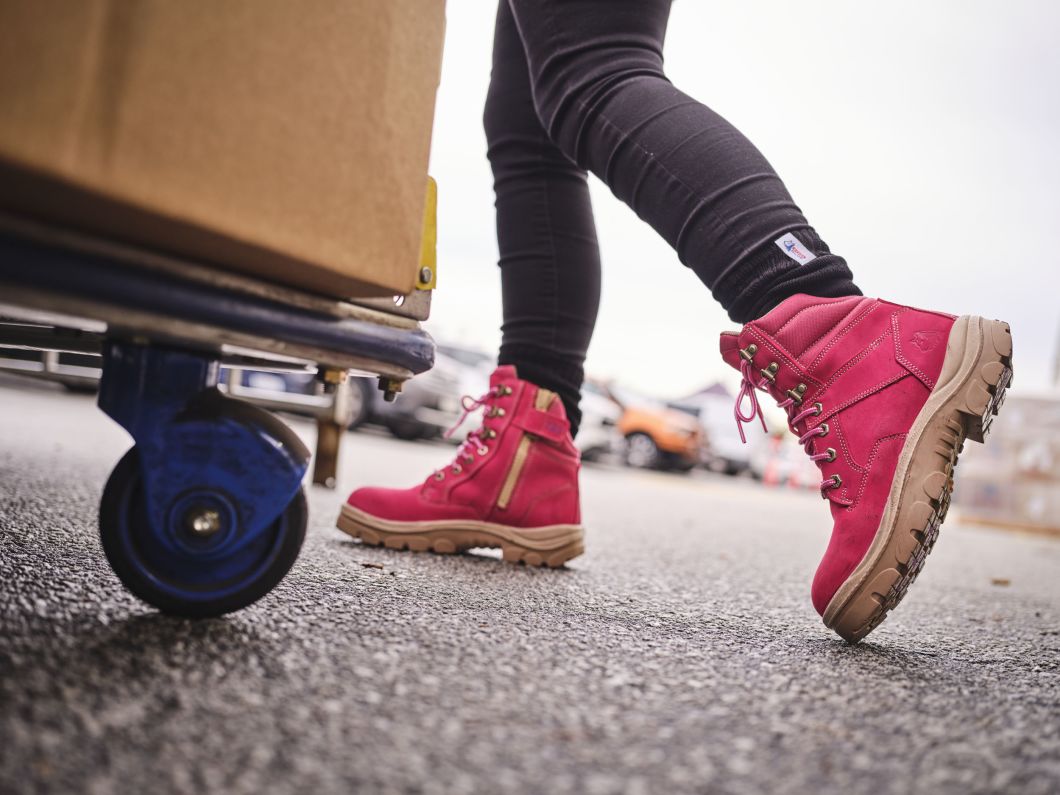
(652, 458)
(123, 495)
(406, 430)
(363, 391)
(680, 465)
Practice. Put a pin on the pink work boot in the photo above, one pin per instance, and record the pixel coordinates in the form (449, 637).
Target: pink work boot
(513, 485)
(882, 398)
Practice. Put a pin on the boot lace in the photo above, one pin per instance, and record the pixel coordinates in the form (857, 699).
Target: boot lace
(749, 384)
(477, 441)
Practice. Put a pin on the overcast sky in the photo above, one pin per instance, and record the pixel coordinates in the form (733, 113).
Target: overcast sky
(922, 140)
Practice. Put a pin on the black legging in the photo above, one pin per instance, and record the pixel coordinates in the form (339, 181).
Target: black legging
(578, 85)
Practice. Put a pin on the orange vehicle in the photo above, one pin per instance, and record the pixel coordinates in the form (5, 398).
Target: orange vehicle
(656, 437)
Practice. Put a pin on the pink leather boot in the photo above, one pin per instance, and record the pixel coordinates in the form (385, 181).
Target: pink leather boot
(882, 398)
(513, 485)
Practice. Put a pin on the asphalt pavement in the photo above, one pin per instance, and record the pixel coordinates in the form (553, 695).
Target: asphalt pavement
(680, 654)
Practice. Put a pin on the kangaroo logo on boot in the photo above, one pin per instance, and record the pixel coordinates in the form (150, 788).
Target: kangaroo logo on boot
(926, 340)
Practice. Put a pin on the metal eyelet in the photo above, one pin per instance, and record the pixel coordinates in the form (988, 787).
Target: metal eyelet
(820, 409)
(771, 371)
(797, 393)
(439, 476)
(749, 352)
(831, 455)
(505, 389)
(483, 450)
(491, 434)
(836, 483)
(457, 469)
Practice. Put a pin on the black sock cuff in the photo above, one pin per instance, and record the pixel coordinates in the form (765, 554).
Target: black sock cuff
(760, 285)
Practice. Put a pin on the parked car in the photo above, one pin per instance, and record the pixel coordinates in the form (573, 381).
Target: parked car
(430, 403)
(598, 434)
(78, 372)
(655, 436)
(723, 450)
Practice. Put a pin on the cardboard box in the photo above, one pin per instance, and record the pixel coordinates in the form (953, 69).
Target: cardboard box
(284, 139)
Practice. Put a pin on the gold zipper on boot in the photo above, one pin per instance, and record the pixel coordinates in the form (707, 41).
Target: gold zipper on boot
(542, 400)
(518, 462)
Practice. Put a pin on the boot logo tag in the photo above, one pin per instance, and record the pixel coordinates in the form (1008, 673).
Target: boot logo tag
(926, 340)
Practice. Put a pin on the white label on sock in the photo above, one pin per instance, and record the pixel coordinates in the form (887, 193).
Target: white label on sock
(791, 246)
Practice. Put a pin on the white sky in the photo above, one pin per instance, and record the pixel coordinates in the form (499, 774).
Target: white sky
(922, 140)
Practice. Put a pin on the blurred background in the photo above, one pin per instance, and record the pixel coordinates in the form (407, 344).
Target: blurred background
(920, 141)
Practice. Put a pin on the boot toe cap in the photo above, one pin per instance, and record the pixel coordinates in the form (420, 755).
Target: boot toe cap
(389, 504)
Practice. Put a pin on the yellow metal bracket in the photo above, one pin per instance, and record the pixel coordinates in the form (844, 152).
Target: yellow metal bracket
(427, 278)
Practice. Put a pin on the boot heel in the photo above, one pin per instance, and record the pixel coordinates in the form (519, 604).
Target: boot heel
(985, 392)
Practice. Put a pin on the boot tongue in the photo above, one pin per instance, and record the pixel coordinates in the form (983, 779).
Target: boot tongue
(504, 374)
(730, 349)
(799, 325)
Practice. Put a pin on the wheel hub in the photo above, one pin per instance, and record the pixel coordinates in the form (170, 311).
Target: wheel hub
(203, 523)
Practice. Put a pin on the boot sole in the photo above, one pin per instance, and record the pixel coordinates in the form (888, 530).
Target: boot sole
(971, 389)
(550, 546)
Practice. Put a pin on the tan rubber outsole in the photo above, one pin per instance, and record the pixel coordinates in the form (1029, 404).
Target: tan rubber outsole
(550, 546)
(971, 388)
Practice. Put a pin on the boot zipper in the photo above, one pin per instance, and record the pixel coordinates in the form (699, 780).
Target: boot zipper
(521, 452)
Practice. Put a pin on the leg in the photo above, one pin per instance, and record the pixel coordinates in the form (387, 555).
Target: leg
(882, 396)
(549, 260)
(596, 69)
(514, 481)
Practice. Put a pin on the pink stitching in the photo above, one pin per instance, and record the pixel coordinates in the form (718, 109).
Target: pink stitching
(861, 396)
(844, 331)
(823, 334)
(789, 360)
(796, 315)
(862, 355)
(838, 428)
(930, 382)
(872, 458)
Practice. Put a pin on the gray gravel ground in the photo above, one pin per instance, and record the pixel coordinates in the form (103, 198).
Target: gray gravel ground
(680, 654)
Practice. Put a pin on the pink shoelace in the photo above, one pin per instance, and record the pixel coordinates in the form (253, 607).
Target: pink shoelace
(748, 388)
(476, 440)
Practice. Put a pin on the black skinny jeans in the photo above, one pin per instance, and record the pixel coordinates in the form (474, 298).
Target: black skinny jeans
(577, 86)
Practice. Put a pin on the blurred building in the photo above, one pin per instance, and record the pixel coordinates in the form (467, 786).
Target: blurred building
(1014, 479)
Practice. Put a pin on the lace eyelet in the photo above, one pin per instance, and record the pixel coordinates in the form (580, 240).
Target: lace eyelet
(491, 434)
(749, 352)
(457, 469)
(483, 450)
(820, 409)
(439, 476)
(823, 428)
(836, 483)
(770, 373)
(797, 393)
(831, 455)
(505, 390)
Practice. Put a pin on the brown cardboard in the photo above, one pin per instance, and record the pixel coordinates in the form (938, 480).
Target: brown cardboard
(285, 139)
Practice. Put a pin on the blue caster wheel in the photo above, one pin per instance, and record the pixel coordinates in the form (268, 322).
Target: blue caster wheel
(200, 562)
(206, 513)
